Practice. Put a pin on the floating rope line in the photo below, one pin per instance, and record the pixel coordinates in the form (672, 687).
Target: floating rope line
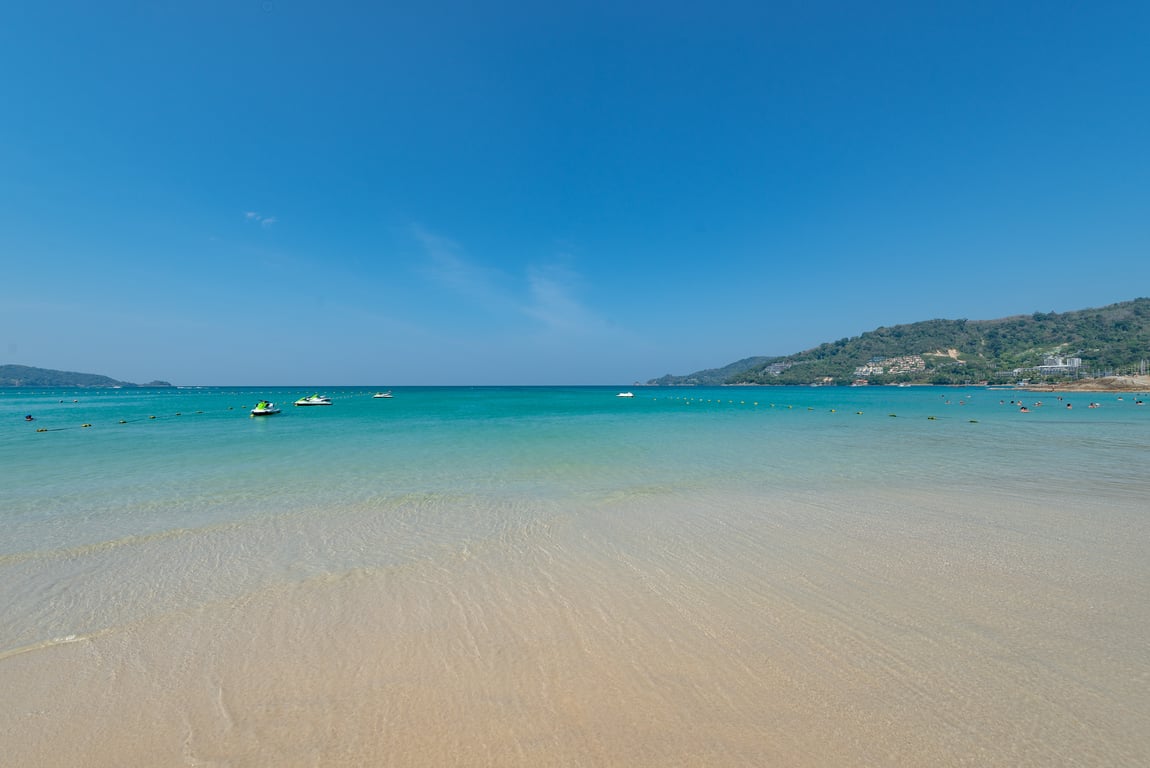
(88, 425)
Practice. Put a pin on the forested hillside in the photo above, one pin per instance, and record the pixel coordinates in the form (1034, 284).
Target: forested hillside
(1088, 342)
(714, 376)
(27, 376)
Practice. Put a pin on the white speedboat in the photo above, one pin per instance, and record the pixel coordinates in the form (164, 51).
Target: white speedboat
(625, 394)
(382, 394)
(264, 408)
(314, 400)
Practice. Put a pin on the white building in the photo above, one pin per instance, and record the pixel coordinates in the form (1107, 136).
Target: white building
(1054, 365)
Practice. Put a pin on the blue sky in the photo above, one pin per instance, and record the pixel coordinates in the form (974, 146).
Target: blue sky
(291, 192)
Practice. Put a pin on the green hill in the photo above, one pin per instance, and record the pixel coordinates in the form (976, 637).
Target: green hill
(713, 376)
(27, 376)
(1043, 346)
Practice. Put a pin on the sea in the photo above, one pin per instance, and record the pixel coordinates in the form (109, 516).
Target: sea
(559, 576)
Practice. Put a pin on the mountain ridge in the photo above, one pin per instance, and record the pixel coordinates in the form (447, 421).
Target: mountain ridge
(1041, 346)
(29, 376)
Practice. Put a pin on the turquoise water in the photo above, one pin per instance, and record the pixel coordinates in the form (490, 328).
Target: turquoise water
(176, 501)
(193, 457)
(154, 463)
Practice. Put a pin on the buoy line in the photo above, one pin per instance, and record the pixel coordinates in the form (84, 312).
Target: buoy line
(152, 417)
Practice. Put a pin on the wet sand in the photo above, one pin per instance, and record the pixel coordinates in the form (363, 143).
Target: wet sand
(905, 628)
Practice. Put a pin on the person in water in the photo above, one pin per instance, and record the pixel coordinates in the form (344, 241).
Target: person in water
(29, 418)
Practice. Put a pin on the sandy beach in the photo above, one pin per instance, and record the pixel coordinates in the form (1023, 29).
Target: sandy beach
(1101, 384)
(830, 631)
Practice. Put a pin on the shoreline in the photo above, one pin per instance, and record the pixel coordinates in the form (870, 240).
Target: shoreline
(1102, 384)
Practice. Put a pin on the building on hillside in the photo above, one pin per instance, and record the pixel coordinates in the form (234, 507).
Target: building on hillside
(1053, 365)
(905, 364)
(877, 366)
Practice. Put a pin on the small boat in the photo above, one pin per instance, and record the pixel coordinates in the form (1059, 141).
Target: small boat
(625, 394)
(314, 400)
(264, 408)
(383, 394)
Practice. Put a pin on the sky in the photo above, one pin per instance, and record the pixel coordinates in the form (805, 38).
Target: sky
(283, 192)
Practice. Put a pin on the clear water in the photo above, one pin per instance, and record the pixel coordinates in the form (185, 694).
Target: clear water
(807, 575)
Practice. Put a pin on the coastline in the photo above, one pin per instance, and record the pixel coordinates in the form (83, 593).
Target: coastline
(1101, 384)
(530, 577)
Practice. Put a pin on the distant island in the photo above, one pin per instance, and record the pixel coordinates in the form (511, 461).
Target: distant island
(1108, 346)
(27, 376)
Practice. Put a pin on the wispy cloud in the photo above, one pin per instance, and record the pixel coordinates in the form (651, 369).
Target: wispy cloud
(258, 218)
(552, 300)
(546, 293)
(447, 266)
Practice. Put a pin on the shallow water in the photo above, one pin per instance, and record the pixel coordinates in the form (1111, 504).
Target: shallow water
(555, 576)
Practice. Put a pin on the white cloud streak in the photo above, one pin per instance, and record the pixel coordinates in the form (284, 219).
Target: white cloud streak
(546, 293)
(447, 267)
(552, 301)
(258, 218)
